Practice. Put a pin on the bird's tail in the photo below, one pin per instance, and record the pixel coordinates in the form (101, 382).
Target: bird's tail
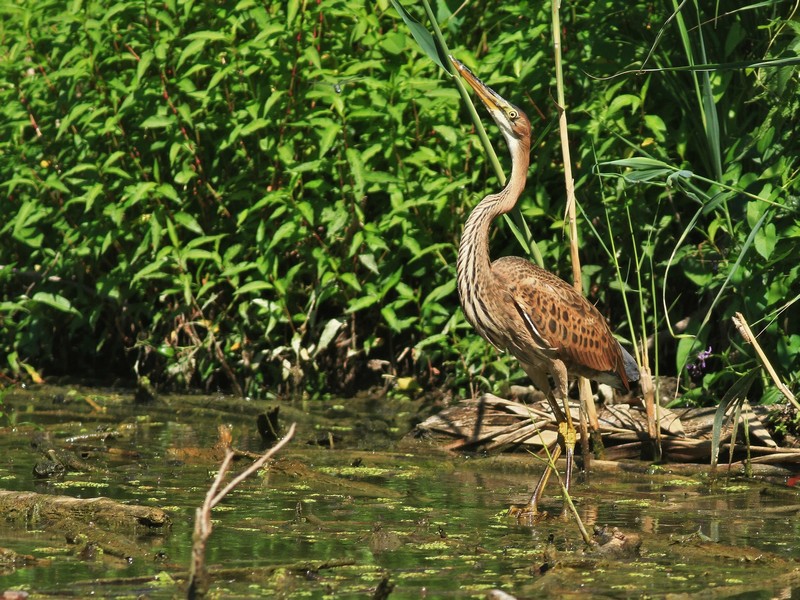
(631, 368)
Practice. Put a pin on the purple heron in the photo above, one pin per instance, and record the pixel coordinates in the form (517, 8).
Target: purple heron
(551, 329)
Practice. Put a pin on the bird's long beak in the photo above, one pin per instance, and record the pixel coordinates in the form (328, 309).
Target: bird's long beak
(488, 96)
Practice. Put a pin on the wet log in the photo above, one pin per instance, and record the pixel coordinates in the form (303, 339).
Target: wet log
(31, 507)
(250, 573)
(690, 469)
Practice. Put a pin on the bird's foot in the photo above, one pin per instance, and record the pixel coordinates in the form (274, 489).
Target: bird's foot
(569, 434)
(527, 514)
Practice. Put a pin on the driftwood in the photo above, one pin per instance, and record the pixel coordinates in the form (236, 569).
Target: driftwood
(92, 526)
(31, 507)
(491, 423)
(250, 573)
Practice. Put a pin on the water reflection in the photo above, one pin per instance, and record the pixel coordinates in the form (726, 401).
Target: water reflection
(433, 520)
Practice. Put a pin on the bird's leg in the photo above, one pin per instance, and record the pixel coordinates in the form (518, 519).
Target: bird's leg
(531, 509)
(566, 428)
(567, 431)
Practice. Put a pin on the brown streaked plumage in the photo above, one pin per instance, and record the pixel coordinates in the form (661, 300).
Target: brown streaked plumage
(519, 307)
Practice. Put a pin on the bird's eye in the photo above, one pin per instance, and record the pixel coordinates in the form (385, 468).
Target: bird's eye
(512, 114)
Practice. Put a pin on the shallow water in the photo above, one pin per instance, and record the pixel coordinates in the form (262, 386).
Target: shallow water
(433, 522)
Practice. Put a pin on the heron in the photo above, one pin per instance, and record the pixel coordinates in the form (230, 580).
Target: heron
(549, 327)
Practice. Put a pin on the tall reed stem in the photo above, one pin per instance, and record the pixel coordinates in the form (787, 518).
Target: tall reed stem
(587, 402)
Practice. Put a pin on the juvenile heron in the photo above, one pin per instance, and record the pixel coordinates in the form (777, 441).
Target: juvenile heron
(551, 329)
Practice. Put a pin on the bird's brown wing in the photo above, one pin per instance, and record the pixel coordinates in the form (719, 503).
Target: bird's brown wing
(559, 319)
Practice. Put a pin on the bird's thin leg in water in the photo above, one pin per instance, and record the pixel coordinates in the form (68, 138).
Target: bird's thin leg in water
(540, 380)
(532, 508)
(567, 431)
(566, 428)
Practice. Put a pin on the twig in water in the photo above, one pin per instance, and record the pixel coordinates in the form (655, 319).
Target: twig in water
(587, 539)
(198, 574)
(551, 464)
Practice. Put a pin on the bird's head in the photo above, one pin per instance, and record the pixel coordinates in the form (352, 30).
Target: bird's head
(512, 121)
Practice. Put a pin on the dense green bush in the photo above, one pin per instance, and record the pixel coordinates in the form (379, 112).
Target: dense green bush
(267, 197)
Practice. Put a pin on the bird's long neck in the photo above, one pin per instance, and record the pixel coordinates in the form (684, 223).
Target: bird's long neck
(474, 263)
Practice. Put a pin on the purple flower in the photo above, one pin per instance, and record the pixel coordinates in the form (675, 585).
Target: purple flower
(696, 368)
(702, 356)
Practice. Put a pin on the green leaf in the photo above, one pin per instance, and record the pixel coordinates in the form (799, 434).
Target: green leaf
(158, 122)
(91, 195)
(24, 231)
(305, 209)
(639, 162)
(74, 113)
(207, 35)
(351, 280)
(193, 48)
(54, 183)
(357, 171)
(368, 260)
(755, 211)
(291, 11)
(656, 126)
(361, 303)
(285, 230)
(328, 334)
(624, 100)
(55, 301)
(254, 126)
(448, 133)
(394, 42)
(144, 62)
(711, 122)
(167, 191)
(422, 35)
(253, 286)
(189, 222)
(394, 322)
(443, 291)
(765, 241)
(198, 254)
(328, 132)
(151, 270)
(173, 234)
(185, 176)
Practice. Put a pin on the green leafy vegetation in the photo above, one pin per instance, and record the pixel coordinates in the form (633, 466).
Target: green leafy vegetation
(267, 198)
